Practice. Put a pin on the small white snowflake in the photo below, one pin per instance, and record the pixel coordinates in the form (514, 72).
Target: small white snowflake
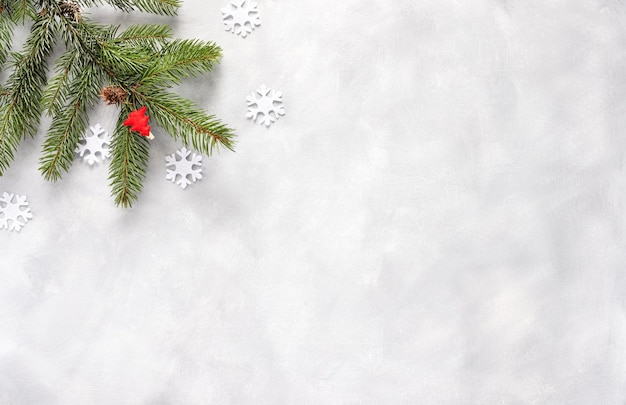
(14, 211)
(94, 147)
(186, 170)
(269, 105)
(241, 17)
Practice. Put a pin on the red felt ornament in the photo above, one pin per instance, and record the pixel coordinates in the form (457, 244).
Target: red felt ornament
(138, 121)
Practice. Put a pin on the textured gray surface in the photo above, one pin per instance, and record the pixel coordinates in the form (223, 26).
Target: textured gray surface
(438, 219)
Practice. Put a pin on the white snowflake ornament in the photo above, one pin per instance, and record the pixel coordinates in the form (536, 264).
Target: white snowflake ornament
(241, 17)
(268, 103)
(185, 170)
(94, 147)
(14, 211)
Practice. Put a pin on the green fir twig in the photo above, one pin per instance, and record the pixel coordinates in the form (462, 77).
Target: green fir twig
(130, 69)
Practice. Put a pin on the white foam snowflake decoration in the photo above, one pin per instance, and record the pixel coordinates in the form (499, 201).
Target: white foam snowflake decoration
(268, 103)
(241, 17)
(14, 211)
(185, 170)
(94, 147)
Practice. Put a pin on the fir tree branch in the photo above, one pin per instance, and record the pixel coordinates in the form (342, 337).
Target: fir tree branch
(97, 44)
(69, 125)
(181, 59)
(58, 87)
(137, 65)
(124, 5)
(180, 118)
(20, 110)
(121, 62)
(144, 35)
(18, 10)
(6, 36)
(129, 162)
(161, 7)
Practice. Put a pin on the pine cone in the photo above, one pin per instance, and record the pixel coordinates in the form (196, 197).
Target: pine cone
(70, 10)
(113, 95)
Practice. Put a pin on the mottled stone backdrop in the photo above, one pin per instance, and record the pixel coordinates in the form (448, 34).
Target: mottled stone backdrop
(439, 218)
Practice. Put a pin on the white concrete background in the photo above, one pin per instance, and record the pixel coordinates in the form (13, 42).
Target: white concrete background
(438, 219)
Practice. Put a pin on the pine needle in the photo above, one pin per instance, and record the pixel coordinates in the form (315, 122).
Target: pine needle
(69, 126)
(128, 163)
(183, 120)
(20, 109)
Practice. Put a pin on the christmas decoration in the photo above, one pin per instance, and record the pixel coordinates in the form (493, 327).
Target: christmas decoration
(138, 121)
(94, 147)
(14, 211)
(186, 170)
(241, 17)
(268, 103)
(129, 69)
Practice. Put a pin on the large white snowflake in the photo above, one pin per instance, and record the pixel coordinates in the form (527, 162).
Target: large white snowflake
(14, 211)
(185, 170)
(241, 17)
(268, 103)
(94, 147)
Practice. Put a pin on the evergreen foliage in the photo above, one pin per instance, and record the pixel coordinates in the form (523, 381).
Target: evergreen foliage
(130, 69)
